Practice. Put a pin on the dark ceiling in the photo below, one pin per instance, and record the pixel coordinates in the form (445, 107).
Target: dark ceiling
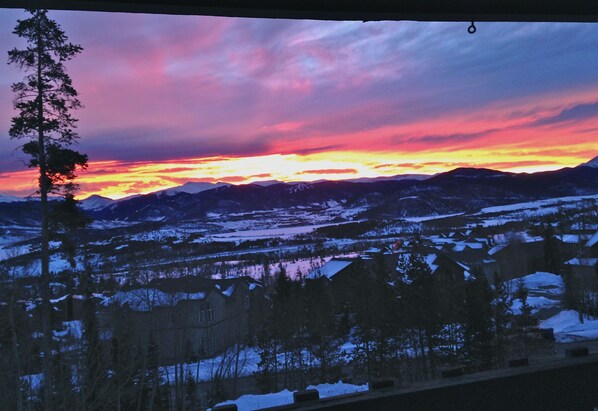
(420, 10)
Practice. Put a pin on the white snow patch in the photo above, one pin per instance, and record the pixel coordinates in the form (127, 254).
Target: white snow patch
(95, 203)
(229, 291)
(544, 291)
(590, 262)
(282, 232)
(256, 402)
(430, 261)
(430, 217)
(537, 303)
(547, 283)
(568, 328)
(593, 240)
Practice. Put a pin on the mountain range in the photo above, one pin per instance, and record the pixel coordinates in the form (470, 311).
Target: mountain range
(459, 190)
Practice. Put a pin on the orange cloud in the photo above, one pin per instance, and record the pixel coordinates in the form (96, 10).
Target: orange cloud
(330, 171)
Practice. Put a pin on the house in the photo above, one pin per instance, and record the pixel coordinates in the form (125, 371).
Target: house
(584, 267)
(341, 276)
(187, 317)
(475, 255)
(331, 268)
(450, 273)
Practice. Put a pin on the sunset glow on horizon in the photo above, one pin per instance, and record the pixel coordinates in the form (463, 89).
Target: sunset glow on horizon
(117, 180)
(176, 99)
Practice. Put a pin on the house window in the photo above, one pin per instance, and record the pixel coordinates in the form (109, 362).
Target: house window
(206, 316)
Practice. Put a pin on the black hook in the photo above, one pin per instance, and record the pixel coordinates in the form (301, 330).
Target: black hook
(471, 29)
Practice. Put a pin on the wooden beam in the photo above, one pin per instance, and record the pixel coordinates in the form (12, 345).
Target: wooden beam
(360, 10)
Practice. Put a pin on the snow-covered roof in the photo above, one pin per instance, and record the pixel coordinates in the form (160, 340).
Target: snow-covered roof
(463, 266)
(580, 226)
(59, 299)
(229, 291)
(593, 240)
(496, 249)
(570, 238)
(462, 246)
(590, 262)
(430, 259)
(330, 269)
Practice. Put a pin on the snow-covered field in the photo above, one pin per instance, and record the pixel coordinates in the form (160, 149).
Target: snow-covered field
(568, 327)
(567, 202)
(430, 217)
(281, 232)
(204, 370)
(521, 211)
(256, 402)
(545, 291)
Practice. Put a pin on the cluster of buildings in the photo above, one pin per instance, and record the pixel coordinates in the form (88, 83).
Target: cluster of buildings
(453, 255)
(193, 317)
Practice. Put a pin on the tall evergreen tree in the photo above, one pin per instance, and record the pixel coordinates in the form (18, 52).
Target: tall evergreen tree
(364, 332)
(525, 322)
(44, 101)
(322, 337)
(419, 297)
(478, 335)
(501, 305)
(552, 255)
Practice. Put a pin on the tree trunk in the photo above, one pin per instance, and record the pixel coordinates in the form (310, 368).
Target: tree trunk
(15, 351)
(45, 252)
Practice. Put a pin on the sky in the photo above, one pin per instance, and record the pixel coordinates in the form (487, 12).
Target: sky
(173, 99)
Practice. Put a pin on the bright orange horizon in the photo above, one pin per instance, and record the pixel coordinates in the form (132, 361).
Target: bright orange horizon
(117, 180)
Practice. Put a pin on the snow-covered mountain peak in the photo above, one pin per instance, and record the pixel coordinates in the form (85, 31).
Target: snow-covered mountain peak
(192, 188)
(295, 188)
(95, 203)
(266, 183)
(9, 199)
(592, 163)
